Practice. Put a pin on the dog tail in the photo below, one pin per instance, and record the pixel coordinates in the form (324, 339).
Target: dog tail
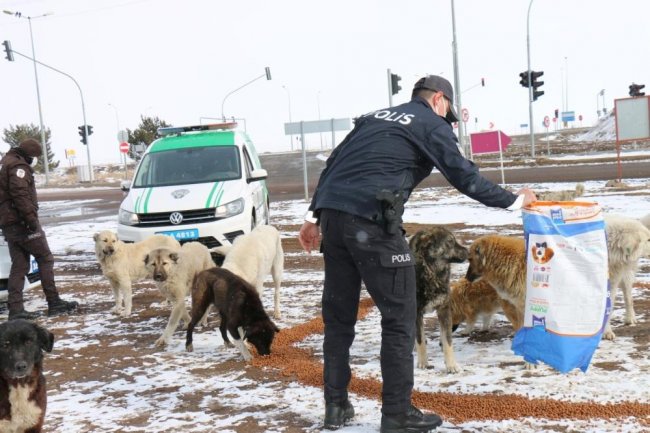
(222, 249)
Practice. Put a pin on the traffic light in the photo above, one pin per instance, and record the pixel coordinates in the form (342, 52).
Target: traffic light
(534, 76)
(524, 79)
(482, 82)
(90, 129)
(82, 133)
(557, 113)
(635, 89)
(394, 84)
(10, 54)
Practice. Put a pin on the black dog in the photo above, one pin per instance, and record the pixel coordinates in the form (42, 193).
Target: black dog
(239, 305)
(23, 396)
(434, 250)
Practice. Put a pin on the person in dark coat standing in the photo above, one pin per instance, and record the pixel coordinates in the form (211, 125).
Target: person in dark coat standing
(23, 232)
(358, 206)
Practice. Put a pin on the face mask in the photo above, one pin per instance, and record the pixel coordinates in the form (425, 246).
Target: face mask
(33, 162)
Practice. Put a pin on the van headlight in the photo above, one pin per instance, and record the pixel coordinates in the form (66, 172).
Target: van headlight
(230, 209)
(128, 218)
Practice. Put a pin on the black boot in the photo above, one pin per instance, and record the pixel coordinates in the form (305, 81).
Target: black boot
(60, 306)
(22, 314)
(411, 421)
(336, 414)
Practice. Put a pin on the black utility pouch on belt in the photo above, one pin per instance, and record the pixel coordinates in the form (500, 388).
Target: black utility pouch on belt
(392, 208)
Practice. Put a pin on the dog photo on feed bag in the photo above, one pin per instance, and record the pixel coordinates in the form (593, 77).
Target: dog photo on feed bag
(566, 291)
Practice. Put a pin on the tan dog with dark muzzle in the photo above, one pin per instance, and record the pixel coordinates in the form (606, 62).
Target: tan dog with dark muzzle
(173, 272)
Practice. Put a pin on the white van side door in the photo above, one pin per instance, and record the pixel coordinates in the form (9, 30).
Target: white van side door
(255, 190)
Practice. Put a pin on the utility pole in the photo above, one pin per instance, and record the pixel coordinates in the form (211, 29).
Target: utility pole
(459, 105)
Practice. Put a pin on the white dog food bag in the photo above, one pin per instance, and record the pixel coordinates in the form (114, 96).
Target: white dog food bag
(567, 300)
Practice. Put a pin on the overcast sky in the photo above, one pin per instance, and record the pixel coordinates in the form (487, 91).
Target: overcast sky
(178, 60)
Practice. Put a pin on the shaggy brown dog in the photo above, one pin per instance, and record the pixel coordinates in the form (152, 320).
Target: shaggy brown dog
(434, 251)
(501, 261)
(239, 306)
(478, 300)
(23, 397)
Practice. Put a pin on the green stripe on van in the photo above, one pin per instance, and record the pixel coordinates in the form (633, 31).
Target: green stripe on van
(217, 194)
(209, 200)
(137, 203)
(204, 139)
(219, 198)
(146, 201)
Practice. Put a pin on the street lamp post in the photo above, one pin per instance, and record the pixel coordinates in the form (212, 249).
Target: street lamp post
(46, 163)
(267, 74)
(83, 108)
(289, 99)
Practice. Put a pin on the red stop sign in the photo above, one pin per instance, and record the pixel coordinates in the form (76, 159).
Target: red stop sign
(124, 147)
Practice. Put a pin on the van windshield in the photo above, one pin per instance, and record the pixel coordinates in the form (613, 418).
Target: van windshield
(188, 165)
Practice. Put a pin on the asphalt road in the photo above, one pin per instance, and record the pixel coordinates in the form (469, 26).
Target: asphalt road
(103, 202)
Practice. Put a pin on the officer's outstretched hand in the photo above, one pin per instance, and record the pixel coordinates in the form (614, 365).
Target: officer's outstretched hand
(309, 236)
(529, 196)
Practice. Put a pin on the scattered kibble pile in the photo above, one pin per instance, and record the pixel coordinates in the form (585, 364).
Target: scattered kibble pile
(301, 365)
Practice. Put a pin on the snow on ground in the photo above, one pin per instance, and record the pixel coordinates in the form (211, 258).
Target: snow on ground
(487, 368)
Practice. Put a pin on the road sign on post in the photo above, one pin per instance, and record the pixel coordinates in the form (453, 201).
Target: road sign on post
(547, 121)
(465, 113)
(124, 147)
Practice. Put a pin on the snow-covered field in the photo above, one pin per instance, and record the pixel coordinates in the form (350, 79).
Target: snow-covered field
(147, 397)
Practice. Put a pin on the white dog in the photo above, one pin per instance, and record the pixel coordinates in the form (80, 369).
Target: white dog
(627, 240)
(123, 264)
(253, 256)
(173, 271)
(646, 221)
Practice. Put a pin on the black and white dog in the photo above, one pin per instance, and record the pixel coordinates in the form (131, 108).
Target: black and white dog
(23, 396)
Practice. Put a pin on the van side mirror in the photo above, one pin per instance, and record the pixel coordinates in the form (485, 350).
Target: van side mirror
(259, 174)
(125, 185)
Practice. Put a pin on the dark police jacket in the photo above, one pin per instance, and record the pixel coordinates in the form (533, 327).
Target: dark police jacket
(18, 202)
(395, 149)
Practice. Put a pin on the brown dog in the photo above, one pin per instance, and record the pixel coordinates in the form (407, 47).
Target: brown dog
(23, 397)
(478, 300)
(434, 251)
(501, 261)
(239, 306)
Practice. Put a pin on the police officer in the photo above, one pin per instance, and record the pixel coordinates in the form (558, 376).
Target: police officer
(23, 232)
(358, 206)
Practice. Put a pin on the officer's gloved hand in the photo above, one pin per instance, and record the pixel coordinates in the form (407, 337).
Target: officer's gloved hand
(32, 226)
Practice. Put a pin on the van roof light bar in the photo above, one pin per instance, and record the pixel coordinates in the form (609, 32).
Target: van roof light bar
(209, 127)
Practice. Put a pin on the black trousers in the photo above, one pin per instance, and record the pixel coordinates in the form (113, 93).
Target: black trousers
(356, 249)
(21, 246)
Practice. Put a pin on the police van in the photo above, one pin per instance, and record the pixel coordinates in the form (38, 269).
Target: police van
(32, 279)
(196, 183)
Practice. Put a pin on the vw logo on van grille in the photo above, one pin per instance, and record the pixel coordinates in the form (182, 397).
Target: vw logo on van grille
(176, 218)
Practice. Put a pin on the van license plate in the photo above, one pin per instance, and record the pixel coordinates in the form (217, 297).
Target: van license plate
(181, 235)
